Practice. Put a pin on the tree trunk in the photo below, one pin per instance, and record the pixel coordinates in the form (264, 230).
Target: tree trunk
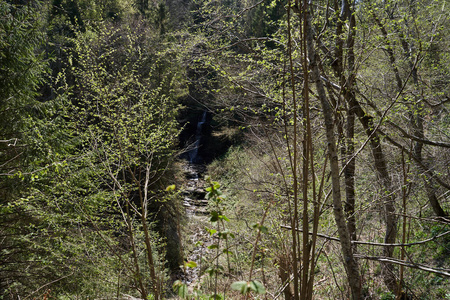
(389, 201)
(350, 263)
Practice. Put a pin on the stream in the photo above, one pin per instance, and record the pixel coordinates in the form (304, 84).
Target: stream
(196, 207)
(194, 192)
(197, 239)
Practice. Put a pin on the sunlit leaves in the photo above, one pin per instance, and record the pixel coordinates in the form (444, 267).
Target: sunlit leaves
(121, 105)
(245, 287)
(190, 264)
(170, 188)
(180, 288)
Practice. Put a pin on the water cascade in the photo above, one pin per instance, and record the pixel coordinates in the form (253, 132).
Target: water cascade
(194, 157)
(194, 193)
(195, 202)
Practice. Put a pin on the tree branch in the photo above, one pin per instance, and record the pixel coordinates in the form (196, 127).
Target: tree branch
(418, 139)
(332, 238)
(443, 272)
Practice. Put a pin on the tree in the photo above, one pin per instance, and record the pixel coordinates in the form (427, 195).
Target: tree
(123, 111)
(362, 113)
(25, 133)
(84, 192)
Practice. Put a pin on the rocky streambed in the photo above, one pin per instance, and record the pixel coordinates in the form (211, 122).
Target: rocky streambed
(196, 239)
(194, 195)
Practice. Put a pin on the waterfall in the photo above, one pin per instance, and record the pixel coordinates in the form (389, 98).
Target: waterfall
(193, 154)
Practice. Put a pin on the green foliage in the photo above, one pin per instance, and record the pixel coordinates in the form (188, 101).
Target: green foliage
(30, 140)
(120, 101)
(443, 244)
(87, 199)
(181, 289)
(24, 135)
(245, 287)
(387, 296)
(66, 13)
(21, 59)
(115, 112)
(123, 112)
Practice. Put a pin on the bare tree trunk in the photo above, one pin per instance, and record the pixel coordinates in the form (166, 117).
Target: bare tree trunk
(347, 92)
(138, 274)
(294, 162)
(390, 217)
(349, 175)
(350, 263)
(143, 197)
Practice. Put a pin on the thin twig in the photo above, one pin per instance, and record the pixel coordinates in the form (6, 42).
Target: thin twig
(47, 284)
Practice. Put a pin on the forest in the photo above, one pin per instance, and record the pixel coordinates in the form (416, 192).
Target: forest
(224, 149)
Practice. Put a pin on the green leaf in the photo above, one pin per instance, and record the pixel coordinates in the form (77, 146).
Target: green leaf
(263, 229)
(171, 188)
(211, 231)
(224, 218)
(190, 264)
(181, 289)
(257, 286)
(225, 251)
(224, 234)
(241, 286)
(214, 216)
(213, 246)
